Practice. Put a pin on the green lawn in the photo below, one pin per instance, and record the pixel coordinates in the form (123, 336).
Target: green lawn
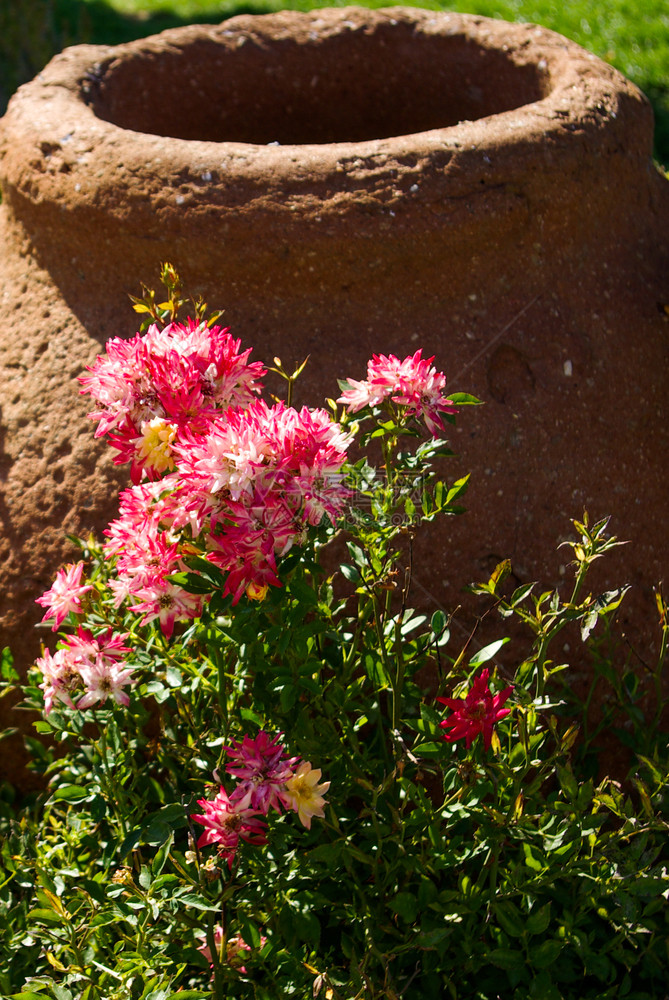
(633, 35)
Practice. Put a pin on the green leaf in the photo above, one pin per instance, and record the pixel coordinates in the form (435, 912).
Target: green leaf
(103, 919)
(406, 906)
(376, 672)
(190, 995)
(605, 602)
(60, 993)
(543, 988)
(539, 921)
(350, 573)
(49, 916)
(199, 902)
(505, 958)
(71, 793)
(430, 939)
(173, 676)
(357, 554)
(430, 715)
(509, 919)
(192, 583)
(207, 570)
(162, 855)
(250, 932)
(567, 781)
(534, 859)
(520, 594)
(131, 841)
(459, 487)
(464, 399)
(543, 955)
(7, 670)
(26, 995)
(439, 626)
(165, 882)
(488, 652)
(326, 853)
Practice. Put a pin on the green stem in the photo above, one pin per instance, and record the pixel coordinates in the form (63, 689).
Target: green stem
(216, 959)
(115, 792)
(381, 640)
(549, 634)
(399, 676)
(364, 608)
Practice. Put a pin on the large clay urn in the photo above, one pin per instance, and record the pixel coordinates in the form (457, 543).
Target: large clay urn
(345, 182)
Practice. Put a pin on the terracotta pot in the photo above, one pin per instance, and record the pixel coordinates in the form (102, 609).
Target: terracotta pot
(346, 182)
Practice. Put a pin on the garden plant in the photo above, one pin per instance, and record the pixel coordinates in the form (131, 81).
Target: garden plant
(265, 773)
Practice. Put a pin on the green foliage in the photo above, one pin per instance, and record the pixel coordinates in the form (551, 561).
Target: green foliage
(454, 873)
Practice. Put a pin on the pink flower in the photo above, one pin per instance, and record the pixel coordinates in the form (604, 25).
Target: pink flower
(235, 948)
(230, 455)
(60, 678)
(99, 663)
(263, 768)
(104, 679)
(89, 661)
(65, 595)
(168, 602)
(476, 713)
(226, 822)
(304, 794)
(412, 383)
(151, 388)
(85, 648)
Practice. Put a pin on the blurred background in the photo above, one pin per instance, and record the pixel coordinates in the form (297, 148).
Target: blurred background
(633, 35)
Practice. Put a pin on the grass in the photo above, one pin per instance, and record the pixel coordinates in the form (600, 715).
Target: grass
(633, 35)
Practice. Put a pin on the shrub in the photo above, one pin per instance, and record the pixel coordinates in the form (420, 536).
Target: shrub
(249, 792)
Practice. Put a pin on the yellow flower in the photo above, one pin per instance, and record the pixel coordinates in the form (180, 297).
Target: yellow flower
(304, 794)
(155, 450)
(257, 591)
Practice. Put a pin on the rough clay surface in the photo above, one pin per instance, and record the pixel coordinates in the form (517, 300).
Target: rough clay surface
(518, 231)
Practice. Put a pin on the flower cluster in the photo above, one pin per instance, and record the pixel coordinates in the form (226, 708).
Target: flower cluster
(155, 387)
(230, 478)
(412, 384)
(476, 713)
(92, 663)
(267, 779)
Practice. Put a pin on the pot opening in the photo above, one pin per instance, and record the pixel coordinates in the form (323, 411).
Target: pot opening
(352, 86)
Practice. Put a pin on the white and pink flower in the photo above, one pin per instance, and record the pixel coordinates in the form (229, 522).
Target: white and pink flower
(60, 678)
(413, 384)
(65, 595)
(88, 662)
(104, 679)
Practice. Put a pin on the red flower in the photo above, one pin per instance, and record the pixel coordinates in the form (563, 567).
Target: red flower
(476, 713)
